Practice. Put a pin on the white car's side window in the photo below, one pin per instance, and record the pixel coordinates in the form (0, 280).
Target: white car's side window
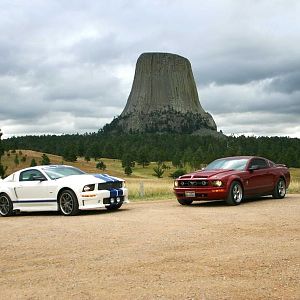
(31, 175)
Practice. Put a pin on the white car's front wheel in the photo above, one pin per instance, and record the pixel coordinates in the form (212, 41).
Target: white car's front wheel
(68, 203)
(114, 206)
(6, 206)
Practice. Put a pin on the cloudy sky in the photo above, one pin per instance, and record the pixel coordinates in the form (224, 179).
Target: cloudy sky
(67, 66)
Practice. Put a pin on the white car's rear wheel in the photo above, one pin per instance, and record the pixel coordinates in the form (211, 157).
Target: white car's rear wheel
(68, 203)
(6, 206)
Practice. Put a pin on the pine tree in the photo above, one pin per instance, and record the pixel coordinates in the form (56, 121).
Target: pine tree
(45, 160)
(128, 170)
(158, 171)
(33, 163)
(2, 168)
(69, 154)
(101, 165)
(16, 160)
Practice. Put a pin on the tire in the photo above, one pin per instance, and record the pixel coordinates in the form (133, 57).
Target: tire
(236, 194)
(68, 203)
(6, 206)
(185, 201)
(114, 206)
(279, 189)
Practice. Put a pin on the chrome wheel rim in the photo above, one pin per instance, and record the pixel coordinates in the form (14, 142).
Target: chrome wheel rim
(4, 205)
(237, 193)
(66, 203)
(281, 188)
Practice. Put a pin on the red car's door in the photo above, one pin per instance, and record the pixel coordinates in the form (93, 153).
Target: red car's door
(260, 177)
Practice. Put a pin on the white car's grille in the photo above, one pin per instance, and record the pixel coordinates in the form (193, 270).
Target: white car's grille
(110, 185)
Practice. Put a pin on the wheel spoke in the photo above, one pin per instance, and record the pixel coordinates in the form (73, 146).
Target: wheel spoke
(281, 188)
(4, 205)
(237, 193)
(66, 203)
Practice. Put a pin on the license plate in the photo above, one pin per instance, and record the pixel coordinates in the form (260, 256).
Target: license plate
(190, 194)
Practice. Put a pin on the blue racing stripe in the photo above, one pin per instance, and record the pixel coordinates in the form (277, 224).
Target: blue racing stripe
(106, 177)
(34, 201)
(110, 178)
(101, 176)
(116, 192)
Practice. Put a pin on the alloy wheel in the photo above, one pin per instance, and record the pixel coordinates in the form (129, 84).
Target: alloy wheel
(66, 203)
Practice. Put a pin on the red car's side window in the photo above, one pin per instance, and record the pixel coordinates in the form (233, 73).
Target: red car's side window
(260, 163)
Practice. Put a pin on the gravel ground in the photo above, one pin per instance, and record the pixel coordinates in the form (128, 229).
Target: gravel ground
(155, 250)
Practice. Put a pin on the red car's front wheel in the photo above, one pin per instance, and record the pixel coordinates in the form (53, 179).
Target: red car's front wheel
(185, 201)
(236, 194)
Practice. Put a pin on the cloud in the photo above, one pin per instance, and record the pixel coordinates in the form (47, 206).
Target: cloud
(286, 83)
(68, 66)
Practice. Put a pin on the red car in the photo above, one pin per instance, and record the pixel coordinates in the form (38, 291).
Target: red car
(232, 179)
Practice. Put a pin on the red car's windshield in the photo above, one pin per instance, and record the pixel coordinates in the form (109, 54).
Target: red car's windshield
(228, 164)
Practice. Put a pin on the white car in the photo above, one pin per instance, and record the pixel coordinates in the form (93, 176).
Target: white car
(60, 188)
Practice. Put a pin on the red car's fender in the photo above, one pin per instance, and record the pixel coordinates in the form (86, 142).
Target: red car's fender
(231, 179)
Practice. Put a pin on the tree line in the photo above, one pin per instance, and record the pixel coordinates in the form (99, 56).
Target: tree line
(181, 149)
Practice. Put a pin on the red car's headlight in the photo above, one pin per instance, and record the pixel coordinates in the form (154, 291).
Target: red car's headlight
(217, 183)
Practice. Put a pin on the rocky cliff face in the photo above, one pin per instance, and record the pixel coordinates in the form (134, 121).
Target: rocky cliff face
(163, 98)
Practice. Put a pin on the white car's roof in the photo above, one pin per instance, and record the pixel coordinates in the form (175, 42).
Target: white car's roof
(43, 167)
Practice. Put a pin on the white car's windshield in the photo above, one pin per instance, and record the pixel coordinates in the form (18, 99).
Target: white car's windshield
(228, 164)
(55, 172)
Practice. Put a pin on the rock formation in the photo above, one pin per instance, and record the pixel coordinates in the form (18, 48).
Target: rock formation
(163, 98)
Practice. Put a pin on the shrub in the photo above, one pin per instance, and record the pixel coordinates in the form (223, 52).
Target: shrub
(177, 173)
(101, 165)
(128, 170)
(158, 171)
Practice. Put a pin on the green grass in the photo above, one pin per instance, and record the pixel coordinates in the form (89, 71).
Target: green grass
(295, 181)
(142, 185)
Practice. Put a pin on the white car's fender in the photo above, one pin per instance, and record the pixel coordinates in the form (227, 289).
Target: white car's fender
(8, 189)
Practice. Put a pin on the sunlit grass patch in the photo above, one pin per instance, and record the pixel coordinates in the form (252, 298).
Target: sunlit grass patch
(142, 189)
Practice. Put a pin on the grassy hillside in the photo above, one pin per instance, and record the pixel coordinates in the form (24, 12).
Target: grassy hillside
(142, 184)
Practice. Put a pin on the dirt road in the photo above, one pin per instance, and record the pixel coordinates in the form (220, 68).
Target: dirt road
(155, 250)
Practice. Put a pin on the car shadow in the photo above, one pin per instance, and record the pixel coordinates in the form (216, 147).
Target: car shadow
(81, 213)
(221, 203)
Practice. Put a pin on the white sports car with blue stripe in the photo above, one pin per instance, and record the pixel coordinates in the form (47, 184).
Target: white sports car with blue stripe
(60, 188)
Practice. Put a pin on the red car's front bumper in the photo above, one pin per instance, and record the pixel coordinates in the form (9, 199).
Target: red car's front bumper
(198, 194)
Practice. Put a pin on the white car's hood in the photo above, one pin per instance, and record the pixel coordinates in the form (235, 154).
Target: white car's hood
(88, 179)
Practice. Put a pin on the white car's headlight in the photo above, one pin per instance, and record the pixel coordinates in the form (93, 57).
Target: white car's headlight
(88, 188)
(123, 184)
(217, 183)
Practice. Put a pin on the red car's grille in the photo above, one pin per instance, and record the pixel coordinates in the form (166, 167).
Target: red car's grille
(193, 183)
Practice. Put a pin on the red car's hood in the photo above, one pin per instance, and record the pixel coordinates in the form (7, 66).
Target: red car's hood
(209, 174)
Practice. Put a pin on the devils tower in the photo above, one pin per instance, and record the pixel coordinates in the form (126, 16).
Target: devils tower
(163, 98)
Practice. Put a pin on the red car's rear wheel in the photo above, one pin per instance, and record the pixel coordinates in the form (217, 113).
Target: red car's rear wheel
(280, 189)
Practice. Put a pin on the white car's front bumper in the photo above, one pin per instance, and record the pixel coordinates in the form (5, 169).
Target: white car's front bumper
(102, 198)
